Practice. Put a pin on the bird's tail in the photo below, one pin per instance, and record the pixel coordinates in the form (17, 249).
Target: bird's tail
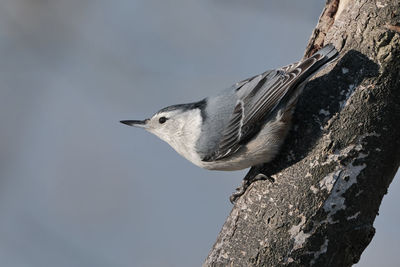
(305, 69)
(316, 62)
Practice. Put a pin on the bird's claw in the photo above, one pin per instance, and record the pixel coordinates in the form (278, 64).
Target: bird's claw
(246, 182)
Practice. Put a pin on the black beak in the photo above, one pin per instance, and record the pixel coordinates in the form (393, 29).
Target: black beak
(135, 123)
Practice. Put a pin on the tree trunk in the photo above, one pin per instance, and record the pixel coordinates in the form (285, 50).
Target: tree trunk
(339, 158)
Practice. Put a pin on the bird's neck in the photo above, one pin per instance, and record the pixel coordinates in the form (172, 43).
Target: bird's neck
(186, 136)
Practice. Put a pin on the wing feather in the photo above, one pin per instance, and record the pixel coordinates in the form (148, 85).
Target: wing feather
(258, 97)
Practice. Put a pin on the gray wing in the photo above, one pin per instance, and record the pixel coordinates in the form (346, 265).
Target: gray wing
(259, 96)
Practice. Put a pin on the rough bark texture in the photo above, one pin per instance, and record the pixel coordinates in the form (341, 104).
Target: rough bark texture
(340, 157)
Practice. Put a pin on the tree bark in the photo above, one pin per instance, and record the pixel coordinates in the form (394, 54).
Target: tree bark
(339, 158)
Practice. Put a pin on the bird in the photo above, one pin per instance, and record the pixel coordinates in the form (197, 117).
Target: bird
(241, 126)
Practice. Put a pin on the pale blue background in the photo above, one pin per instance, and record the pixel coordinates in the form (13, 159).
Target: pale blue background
(79, 189)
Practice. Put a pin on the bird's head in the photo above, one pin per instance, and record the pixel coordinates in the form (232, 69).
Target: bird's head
(178, 125)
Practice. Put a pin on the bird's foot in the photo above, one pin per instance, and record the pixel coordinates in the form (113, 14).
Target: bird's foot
(246, 182)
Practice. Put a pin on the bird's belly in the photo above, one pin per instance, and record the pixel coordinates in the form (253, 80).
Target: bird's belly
(242, 160)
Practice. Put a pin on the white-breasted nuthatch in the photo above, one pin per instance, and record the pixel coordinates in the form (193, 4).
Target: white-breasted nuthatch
(242, 126)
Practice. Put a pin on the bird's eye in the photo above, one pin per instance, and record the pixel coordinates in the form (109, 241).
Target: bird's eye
(162, 120)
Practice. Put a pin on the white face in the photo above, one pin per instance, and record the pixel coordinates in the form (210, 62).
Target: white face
(180, 129)
(165, 125)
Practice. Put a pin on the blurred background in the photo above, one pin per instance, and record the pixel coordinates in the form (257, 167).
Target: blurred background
(77, 188)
